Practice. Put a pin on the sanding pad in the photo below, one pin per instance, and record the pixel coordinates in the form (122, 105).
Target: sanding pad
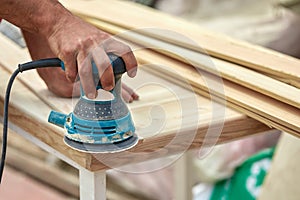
(103, 148)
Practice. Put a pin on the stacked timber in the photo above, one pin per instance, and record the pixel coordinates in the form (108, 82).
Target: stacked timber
(258, 82)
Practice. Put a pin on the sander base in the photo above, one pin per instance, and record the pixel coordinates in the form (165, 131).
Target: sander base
(102, 148)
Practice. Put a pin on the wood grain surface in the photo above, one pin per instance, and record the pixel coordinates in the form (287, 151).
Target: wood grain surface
(267, 110)
(159, 25)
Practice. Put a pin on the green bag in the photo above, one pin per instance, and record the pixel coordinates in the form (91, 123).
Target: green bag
(246, 182)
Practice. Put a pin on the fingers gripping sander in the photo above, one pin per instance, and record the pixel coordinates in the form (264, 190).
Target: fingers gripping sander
(101, 124)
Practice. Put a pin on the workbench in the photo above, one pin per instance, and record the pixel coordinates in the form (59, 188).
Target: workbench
(169, 120)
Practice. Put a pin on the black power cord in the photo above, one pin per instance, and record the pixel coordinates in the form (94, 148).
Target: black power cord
(51, 62)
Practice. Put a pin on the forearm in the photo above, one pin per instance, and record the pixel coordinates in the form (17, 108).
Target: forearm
(71, 39)
(35, 16)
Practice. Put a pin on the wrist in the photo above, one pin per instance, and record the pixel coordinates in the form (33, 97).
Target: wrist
(53, 19)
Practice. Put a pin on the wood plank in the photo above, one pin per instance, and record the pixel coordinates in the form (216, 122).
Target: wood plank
(262, 108)
(233, 72)
(149, 22)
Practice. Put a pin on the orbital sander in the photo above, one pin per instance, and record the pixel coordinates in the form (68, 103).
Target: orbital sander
(103, 124)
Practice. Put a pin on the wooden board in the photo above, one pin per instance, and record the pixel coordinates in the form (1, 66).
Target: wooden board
(30, 112)
(232, 72)
(267, 110)
(159, 25)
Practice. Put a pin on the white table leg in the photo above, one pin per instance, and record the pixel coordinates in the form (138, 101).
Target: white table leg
(183, 175)
(92, 185)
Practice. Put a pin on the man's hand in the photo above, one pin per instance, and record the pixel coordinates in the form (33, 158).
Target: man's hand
(78, 43)
(55, 78)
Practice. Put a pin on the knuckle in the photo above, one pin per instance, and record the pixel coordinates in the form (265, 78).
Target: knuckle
(125, 49)
(67, 51)
(94, 38)
(103, 36)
